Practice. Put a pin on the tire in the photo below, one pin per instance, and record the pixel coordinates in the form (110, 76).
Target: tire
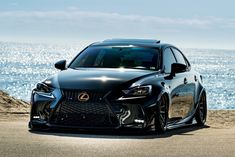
(161, 115)
(201, 112)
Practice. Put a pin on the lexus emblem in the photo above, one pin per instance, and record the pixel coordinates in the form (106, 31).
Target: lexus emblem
(83, 96)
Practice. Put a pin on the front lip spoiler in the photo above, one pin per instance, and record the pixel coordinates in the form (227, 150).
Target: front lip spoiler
(45, 125)
(51, 126)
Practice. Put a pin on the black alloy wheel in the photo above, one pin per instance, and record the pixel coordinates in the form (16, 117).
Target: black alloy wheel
(161, 115)
(201, 112)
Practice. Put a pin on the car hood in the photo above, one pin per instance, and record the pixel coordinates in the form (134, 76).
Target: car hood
(98, 79)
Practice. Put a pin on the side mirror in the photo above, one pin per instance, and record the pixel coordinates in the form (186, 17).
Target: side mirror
(178, 68)
(61, 65)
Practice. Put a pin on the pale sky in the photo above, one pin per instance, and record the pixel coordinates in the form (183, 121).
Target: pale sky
(185, 23)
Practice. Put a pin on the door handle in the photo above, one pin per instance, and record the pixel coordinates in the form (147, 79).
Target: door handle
(185, 81)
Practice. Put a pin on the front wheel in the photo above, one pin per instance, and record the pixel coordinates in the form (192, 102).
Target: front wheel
(201, 112)
(161, 115)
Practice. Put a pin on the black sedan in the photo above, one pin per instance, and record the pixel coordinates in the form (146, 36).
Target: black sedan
(121, 83)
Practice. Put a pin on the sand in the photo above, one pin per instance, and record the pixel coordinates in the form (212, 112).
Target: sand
(10, 104)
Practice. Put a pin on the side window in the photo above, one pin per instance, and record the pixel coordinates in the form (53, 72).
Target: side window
(179, 56)
(168, 59)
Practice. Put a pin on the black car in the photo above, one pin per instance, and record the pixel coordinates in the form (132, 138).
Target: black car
(121, 83)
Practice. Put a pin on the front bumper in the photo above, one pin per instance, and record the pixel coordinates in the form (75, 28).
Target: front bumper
(61, 109)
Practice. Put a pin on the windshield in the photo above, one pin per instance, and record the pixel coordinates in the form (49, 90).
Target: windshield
(117, 57)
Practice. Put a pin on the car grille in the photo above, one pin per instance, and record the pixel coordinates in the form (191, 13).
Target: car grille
(72, 96)
(93, 113)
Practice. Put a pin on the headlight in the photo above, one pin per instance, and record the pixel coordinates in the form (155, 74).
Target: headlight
(138, 91)
(42, 87)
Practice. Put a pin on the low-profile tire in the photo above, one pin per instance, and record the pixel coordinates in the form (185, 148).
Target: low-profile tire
(201, 112)
(161, 115)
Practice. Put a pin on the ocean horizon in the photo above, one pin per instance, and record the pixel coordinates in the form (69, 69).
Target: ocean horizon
(22, 65)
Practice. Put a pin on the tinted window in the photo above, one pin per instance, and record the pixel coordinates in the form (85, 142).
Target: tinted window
(117, 57)
(179, 57)
(168, 59)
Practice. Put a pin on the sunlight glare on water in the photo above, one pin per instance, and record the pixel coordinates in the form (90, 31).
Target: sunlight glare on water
(23, 65)
(218, 70)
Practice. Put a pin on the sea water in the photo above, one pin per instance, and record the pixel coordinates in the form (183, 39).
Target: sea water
(22, 65)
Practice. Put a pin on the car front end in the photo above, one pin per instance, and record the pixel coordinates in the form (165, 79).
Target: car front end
(128, 105)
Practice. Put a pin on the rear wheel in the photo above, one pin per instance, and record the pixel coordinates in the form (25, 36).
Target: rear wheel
(161, 115)
(201, 112)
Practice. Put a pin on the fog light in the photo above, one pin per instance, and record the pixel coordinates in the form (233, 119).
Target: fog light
(36, 117)
(139, 121)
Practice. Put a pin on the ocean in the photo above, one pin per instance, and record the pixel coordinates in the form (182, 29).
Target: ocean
(22, 65)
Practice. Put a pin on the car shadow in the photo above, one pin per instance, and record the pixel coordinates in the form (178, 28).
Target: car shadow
(121, 134)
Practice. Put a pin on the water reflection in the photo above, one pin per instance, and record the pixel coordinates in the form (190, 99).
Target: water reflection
(23, 65)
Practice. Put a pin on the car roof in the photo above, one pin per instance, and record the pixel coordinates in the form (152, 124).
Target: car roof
(135, 42)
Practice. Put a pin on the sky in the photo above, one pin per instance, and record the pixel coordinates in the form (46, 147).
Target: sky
(185, 23)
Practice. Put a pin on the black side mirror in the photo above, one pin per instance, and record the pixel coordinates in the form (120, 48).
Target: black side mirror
(61, 65)
(178, 68)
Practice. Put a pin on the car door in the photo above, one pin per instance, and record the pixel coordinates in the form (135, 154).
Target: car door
(176, 86)
(184, 102)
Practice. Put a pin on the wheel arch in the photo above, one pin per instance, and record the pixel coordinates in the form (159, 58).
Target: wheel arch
(164, 91)
(167, 95)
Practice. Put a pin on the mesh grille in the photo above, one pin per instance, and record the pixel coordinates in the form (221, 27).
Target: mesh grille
(92, 113)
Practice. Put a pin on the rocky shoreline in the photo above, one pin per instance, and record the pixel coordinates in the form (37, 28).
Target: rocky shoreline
(12, 109)
(9, 104)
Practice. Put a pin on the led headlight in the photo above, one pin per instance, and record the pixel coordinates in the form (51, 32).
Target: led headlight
(138, 91)
(42, 87)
